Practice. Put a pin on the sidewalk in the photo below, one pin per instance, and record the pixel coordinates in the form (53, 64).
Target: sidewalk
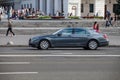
(22, 40)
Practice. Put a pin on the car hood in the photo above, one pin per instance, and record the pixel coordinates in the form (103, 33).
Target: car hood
(43, 36)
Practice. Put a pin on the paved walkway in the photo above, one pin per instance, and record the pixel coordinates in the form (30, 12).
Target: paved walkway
(24, 34)
(22, 40)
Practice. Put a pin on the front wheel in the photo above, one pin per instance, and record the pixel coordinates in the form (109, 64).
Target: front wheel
(92, 45)
(44, 44)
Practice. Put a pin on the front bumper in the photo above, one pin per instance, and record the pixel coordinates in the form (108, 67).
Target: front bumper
(31, 44)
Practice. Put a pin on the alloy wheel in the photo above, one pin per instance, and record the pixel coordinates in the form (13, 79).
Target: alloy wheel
(92, 45)
(44, 44)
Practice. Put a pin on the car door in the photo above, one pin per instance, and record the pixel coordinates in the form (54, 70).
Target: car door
(63, 38)
(80, 37)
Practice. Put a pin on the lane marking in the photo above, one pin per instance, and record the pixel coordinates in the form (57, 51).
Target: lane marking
(59, 55)
(65, 53)
(14, 63)
(6, 73)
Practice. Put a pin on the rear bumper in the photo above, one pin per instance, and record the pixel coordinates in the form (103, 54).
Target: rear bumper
(104, 44)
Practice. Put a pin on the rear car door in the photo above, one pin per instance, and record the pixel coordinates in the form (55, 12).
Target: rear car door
(80, 37)
(64, 38)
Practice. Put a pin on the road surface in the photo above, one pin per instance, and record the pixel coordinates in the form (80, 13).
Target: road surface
(24, 63)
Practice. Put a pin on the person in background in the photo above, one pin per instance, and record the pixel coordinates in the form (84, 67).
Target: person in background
(0, 17)
(96, 26)
(9, 28)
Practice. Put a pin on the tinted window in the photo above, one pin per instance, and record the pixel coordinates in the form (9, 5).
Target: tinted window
(91, 31)
(79, 32)
(66, 32)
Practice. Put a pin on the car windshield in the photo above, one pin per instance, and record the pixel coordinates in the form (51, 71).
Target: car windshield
(57, 32)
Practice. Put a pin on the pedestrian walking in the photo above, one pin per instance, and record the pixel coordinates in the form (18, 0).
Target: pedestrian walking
(10, 28)
(96, 26)
(109, 22)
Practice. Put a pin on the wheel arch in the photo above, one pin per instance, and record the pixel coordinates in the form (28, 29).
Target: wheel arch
(87, 45)
(93, 40)
(46, 40)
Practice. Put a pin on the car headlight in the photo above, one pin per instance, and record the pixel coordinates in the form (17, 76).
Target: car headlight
(34, 39)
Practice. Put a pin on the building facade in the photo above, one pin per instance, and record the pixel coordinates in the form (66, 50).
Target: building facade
(17, 4)
(75, 7)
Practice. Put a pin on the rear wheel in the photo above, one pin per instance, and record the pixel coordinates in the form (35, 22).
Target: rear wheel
(85, 48)
(44, 44)
(92, 45)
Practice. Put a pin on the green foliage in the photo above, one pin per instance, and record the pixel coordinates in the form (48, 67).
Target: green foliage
(44, 17)
(73, 17)
(98, 17)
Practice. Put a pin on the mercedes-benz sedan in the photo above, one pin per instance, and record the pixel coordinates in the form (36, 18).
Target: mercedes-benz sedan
(70, 37)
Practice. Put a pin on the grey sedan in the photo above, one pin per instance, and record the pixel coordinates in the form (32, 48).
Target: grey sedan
(70, 37)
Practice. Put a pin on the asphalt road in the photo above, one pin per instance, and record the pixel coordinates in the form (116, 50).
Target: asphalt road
(24, 63)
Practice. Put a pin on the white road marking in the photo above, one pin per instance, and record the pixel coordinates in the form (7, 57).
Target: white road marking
(8, 73)
(14, 63)
(59, 55)
(66, 53)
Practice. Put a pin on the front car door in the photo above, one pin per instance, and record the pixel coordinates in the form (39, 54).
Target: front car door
(63, 38)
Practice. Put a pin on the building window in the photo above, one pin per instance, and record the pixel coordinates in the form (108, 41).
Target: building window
(31, 6)
(116, 8)
(91, 8)
(27, 5)
(45, 6)
(22, 6)
(82, 8)
(38, 4)
(62, 5)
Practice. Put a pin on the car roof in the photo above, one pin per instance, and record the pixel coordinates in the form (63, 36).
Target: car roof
(77, 28)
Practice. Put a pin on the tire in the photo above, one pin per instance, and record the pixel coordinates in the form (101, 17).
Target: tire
(85, 48)
(92, 45)
(44, 44)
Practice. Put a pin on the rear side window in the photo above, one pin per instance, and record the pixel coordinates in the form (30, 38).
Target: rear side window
(91, 31)
(79, 32)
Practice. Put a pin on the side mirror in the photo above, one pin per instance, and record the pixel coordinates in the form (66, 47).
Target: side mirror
(59, 34)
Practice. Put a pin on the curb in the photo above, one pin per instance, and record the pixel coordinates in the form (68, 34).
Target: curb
(14, 46)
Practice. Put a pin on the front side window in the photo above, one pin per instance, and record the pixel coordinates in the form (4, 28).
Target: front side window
(66, 32)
